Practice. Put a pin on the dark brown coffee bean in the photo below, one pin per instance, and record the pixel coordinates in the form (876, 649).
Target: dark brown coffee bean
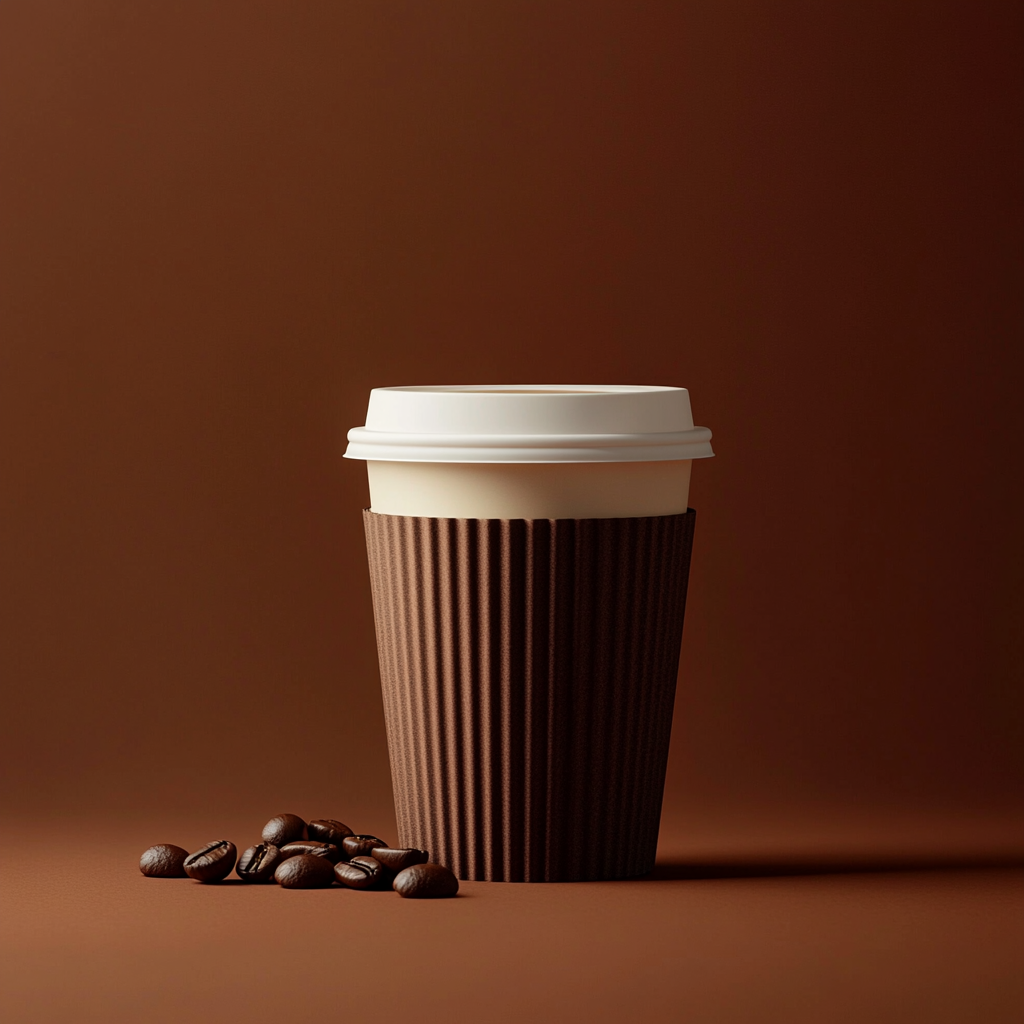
(327, 830)
(285, 828)
(360, 846)
(258, 863)
(212, 863)
(396, 860)
(163, 861)
(307, 871)
(311, 846)
(425, 882)
(361, 873)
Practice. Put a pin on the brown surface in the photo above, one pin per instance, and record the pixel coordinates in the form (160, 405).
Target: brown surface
(223, 223)
(528, 670)
(727, 943)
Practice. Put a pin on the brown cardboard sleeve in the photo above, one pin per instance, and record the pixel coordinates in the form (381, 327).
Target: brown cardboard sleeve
(528, 670)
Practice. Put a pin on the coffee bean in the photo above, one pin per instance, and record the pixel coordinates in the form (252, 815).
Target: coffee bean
(361, 873)
(360, 846)
(327, 830)
(311, 846)
(306, 871)
(212, 863)
(285, 828)
(425, 882)
(258, 863)
(396, 860)
(163, 861)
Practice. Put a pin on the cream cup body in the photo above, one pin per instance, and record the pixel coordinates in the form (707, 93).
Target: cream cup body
(569, 490)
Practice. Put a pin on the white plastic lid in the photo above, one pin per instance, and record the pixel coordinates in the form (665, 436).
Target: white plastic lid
(529, 423)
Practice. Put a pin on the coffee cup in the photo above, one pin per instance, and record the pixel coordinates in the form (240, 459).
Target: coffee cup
(529, 551)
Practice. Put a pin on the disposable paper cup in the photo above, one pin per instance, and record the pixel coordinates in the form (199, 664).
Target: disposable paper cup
(529, 549)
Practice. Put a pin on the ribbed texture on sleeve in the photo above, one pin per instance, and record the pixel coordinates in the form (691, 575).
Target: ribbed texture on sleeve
(528, 670)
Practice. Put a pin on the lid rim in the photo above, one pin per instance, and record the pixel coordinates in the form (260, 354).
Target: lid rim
(693, 435)
(533, 423)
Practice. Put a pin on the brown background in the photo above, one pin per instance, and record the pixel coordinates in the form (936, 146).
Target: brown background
(225, 222)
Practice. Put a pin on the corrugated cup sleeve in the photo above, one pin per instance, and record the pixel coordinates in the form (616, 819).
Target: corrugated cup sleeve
(528, 670)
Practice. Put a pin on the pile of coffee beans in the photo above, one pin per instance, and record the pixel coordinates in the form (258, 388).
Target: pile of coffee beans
(297, 854)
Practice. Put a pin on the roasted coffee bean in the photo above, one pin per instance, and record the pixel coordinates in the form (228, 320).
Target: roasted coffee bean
(306, 871)
(258, 863)
(285, 828)
(360, 846)
(396, 860)
(327, 830)
(361, 873)
(328, 850)
(163, 861)
(425, 882)
(212, 863)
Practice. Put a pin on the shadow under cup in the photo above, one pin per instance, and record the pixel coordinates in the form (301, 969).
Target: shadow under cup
(529, 621)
